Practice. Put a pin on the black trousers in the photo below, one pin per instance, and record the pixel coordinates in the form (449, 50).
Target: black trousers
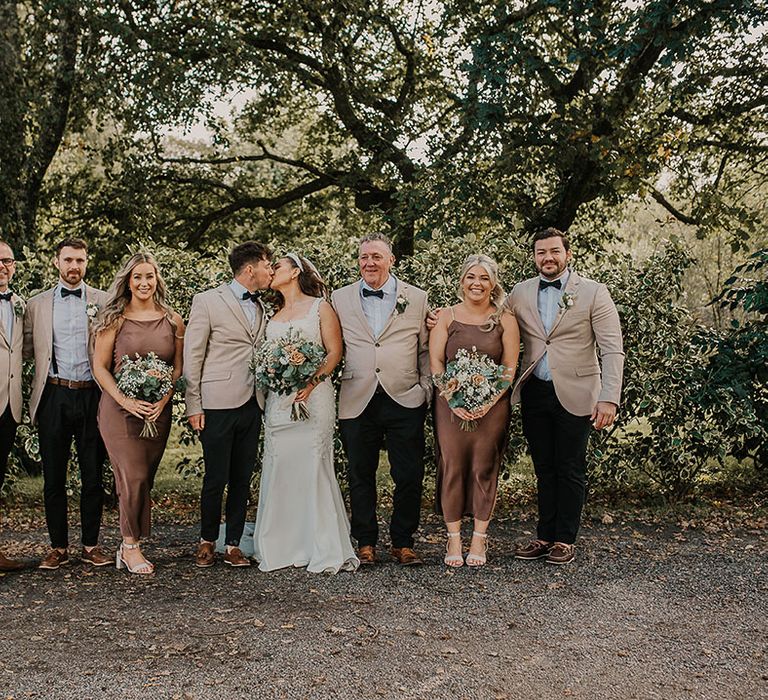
(65, 414)
(7, 436)
(557, 441)
(230, 442)
(384, 421)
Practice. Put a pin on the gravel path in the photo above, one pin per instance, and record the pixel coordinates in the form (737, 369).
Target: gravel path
(644, 613)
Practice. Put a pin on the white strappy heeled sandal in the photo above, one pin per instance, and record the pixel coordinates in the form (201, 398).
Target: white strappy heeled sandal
(478, 559)
(454, 560)
(144, 568)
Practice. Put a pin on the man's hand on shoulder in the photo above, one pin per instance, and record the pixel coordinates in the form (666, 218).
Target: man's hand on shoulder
(432, 316)
(603, 414)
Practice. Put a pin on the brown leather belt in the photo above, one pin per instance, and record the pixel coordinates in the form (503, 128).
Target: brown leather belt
(71, 383)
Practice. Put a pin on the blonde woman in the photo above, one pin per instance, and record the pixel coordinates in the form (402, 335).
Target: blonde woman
(135, 319)
(468, 462)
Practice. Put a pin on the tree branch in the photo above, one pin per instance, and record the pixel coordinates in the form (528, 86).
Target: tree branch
(659, 197)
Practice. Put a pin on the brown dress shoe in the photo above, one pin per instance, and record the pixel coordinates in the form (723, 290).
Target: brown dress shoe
(561, 553)
(205, 556)
(367, 554)
(55, 559)
(96, 557)
(234, 557)
(7, 564)
(536, 549)
(405, 556)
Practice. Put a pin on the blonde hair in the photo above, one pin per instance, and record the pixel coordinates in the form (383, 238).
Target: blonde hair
(119, 293)
(497, 292)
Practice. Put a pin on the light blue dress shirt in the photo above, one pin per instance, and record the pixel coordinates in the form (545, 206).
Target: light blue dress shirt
(248, 307)
(6, 317)
(377, 311)
(548, 304)
(70, 336)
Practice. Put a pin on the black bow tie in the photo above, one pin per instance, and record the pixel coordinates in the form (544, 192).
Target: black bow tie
(253, 296)
(373, 293)
(74, 292)
(6, 297)
(557, 284)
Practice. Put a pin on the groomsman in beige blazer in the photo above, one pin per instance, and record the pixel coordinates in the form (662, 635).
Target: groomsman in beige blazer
(226, 324)
(385, 390)
(65, 399)
(11, 332)
(564, 320)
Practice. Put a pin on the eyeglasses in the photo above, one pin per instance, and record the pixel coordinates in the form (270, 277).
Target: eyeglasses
(7, 261)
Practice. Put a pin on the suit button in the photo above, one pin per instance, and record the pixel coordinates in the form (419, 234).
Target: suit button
(378, 370)
(378, 345)
(548, 342)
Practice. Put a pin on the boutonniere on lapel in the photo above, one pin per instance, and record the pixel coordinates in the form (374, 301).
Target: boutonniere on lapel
(566, 301)
(18, 308)
(91, 311)
(401, 304)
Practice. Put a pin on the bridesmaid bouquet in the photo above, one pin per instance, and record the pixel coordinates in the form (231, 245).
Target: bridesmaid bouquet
(470, 381)
(287, 365)
(146, 379)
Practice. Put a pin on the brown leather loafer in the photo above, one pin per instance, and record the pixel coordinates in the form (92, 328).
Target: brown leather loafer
(205, 556)
(367, 554)
(405, 556)
(96, 557)
(7, 564)
(55, 559)
(234, 557)
(536, 549)
(561, 553)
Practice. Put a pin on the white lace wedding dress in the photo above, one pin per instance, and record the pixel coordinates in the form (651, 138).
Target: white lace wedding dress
(301, 519)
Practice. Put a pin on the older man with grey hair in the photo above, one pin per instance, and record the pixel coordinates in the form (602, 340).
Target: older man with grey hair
(385, 391)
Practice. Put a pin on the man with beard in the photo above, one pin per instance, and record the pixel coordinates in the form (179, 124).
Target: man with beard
(11, 309)
(564, 319)
(64, 400)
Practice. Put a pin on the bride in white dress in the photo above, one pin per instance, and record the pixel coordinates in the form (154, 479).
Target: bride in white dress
(301, 518)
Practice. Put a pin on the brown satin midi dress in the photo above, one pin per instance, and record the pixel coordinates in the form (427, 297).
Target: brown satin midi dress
(135, 459)
(468, 463)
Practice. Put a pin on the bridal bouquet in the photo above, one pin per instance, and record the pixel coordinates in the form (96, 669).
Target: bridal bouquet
(470, 381)
(286, 365)
(146, 379)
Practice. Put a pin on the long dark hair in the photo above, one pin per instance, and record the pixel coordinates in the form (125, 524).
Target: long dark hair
(310, 282)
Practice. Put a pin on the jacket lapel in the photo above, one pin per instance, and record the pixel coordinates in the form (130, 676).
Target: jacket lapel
(571, 289)
(532, 298)
(234, 307)
(398, 291)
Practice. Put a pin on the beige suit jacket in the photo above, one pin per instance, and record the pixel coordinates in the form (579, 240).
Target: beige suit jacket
(10, 364)
(398, 359)
(218, 347)
(38, 338)
(571, 346)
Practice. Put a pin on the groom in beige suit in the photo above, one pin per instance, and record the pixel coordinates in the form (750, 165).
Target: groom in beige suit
(65, 399)
(11, 331)
(226, 324)
(564, 320)
(385, 391)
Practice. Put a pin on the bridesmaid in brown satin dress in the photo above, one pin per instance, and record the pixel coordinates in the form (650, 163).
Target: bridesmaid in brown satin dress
(468, 463)
(136, 319)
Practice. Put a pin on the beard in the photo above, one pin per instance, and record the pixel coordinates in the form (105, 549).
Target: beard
(553, 271)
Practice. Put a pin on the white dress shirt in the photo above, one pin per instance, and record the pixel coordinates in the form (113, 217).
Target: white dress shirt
(548, 304)
(377, 311)
(6, 317)
(70, 336)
